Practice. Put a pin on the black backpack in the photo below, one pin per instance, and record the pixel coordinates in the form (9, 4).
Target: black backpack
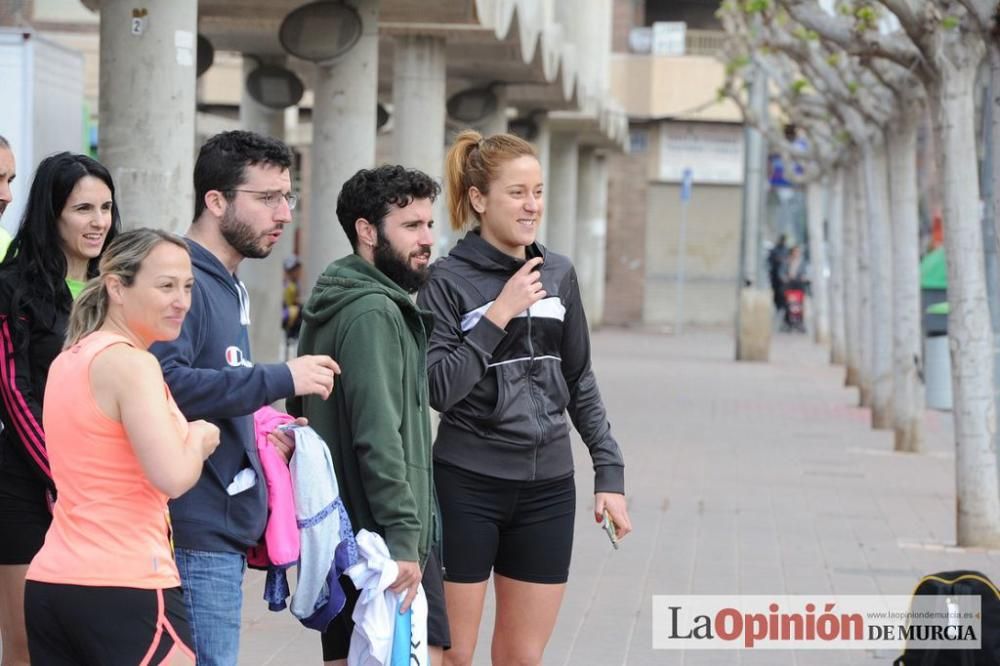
(954, 583)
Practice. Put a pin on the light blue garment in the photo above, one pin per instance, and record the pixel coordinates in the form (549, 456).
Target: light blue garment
(326, 539)
(213, 594)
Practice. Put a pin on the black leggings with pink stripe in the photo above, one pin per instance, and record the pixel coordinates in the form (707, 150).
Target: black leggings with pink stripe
(106, 626)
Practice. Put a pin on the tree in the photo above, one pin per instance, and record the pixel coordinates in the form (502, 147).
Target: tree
(864, 104)
(941, 42)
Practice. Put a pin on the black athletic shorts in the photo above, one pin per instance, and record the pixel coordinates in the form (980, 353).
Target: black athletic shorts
(520, 529)
(336, 639)
(22, 538)
(70, 625)
(24, 519)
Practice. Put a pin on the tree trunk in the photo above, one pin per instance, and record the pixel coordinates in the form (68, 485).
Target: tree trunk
(880, 276)
(852, 281)
(969, 332)
(992, 147)
(838, 350)
(929, 174)
(817, 194)
(864, 290)
(908, 393)
(991, 199)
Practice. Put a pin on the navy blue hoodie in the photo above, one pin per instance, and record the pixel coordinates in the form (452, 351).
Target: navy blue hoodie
(211, 377)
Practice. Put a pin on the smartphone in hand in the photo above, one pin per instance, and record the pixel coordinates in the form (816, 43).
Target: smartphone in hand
(609, 527)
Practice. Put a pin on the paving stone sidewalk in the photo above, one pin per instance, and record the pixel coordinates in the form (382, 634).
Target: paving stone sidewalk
(745, 478)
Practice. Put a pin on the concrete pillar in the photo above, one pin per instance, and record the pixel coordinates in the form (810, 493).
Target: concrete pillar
(599, 232)
(418, 98)
(257, 117)
(754, 187)
(753, 334)
(264, 277)
(344, 126)
(591, 236)
(753, 329)
(496, 122)
(147, 109)
(542, 144)
(561, 193)
(291, 123)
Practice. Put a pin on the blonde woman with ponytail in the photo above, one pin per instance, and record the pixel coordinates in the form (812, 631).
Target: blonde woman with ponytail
(508, 360)
(118, 447)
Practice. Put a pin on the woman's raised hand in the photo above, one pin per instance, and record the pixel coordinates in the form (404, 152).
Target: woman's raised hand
(523, 289)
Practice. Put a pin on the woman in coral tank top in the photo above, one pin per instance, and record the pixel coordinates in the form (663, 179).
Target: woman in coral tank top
(104, 587)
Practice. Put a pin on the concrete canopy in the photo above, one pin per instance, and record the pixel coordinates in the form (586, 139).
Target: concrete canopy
(515, 43)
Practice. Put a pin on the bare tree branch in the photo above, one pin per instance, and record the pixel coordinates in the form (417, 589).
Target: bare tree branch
(841, 31)
(982, 12)
(822, 116)
(909, 18)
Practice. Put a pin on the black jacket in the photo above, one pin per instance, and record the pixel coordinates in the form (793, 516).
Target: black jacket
(504, 395)
(29, 340)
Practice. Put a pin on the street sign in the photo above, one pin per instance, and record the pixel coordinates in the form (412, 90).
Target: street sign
(687, 178)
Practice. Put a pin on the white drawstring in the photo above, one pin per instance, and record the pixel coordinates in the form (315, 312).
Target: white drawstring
(244, 302)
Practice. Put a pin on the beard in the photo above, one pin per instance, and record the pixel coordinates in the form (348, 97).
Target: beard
(241, 235)
(397, 267)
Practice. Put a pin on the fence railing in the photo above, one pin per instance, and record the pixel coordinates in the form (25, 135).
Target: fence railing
(704, 42)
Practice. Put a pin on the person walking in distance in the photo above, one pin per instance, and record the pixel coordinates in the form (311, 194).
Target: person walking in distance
(775, 261)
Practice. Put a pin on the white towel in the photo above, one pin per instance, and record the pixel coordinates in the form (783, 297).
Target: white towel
(375, 613)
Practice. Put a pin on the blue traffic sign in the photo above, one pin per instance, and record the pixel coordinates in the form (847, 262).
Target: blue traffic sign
(686, 181)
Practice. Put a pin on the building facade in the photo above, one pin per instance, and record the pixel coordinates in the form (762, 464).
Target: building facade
(408, 75)
(666, 70)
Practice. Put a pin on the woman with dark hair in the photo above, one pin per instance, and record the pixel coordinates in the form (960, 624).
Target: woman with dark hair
(69, 219)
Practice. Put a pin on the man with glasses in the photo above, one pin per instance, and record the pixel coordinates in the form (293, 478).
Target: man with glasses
(243, 202)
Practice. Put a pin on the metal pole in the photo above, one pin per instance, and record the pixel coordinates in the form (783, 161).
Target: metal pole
(750, 269)
(753, 182)
(681, 255)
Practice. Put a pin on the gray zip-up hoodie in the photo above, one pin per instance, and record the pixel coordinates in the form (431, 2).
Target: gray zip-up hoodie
(504, 394)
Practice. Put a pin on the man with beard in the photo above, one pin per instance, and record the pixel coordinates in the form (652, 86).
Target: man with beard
(377, 423)
(243, 201)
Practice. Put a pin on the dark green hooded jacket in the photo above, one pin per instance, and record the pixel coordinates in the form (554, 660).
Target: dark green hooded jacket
(376, 422)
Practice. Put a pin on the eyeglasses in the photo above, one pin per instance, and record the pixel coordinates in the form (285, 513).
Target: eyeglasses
(272, 197)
